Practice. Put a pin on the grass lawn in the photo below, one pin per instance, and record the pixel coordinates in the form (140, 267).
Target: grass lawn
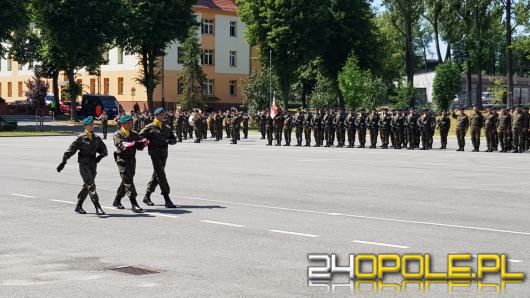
(30, 132)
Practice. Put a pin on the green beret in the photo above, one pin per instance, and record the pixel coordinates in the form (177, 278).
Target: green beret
(88, 120)
(159, 110)
(125, 119)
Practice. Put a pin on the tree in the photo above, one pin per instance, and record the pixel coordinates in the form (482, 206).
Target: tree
(150, 27)
(292, 30)
(499, 91)
(405, 14)
(12, 18)
(193, 75)
(256, 90)
(37, 89)
(325, 94)
(77, 33)
(446, 84)
(433, 14)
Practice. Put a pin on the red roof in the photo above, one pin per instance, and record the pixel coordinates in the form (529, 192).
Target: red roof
(226, 5)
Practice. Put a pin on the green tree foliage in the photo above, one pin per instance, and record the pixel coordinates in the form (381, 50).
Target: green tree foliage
(13, 17)
(325, 94)
(150, 27)
(193, 75)
(77, 32)
(292, 30)
(446, 84)
(499, 91)
(256, 90)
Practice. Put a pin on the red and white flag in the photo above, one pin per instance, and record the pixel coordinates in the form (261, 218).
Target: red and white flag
(274, 107)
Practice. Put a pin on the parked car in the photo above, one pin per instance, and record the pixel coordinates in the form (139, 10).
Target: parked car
(65, 107)
(49, 99)
(107, 102)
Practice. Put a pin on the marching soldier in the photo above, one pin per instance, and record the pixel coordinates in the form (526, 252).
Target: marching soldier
(350, 126)
(180, 126)
(104, 118)
(127, 141)
(159, 137)
(235, 126)
(490, 126)
(476, 121)
(196, 122)
(424, 125)
(88, 145)
(360, 123)
(262, 124)
(269, 126)
(340, 128)
(526, 126)
(317, 128)
(397, 129)
(308, 126)
(332, 128)
(278, 126)
(244, 119)
(504, 126)
(170, 120)
(228, 122)
(372, 122)
(444, 124)
(385, 123)
(462, 124)
(299, 126)
(327, 127)
(185, 125)
(517, 127)
(287, 128)
(412, 129)
(218, 126)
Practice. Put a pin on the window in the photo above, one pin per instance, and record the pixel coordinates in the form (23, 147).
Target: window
(9, 89)
(20, 89)
(233, 88)
(207, 87)
(106, 86)
(106, 57)
(233, 29)
(207, 27)
(180, 55)
(120, 56)
(9, 65)
(207, 57)
(180, 86)
(120, 86)
(92, 86)
(233, 59)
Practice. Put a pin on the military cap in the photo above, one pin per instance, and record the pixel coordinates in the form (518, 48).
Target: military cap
(158, 111)
(125, 119)
(88, 120)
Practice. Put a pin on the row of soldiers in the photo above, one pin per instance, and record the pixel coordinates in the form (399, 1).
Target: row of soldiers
(398, 129)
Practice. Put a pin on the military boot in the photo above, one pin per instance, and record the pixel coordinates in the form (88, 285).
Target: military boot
(99, 210)
(168, 203)
(147, 199)
(135, 207)
(117, 202)
(79, 207)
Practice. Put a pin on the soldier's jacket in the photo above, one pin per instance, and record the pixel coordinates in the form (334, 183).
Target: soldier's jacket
(425, 123)
(504, 122)
(443, 123)
(227, 121)
(339, 121)
(278, 121)
(122, 152)
(317, 123)
(87, 149)
(517, 120)
(218, 120)
(385, 122)
(235, 122)
(299, 120)
(269, 122)
(398, 122)
(360, 122)
(462, 121)
(526, 119)
(137, 123)
(476, 120)
(308, 121)
(288, 123)
(245, 121)
(350, 122)
(412, 121)
(372, 121)
(159, 138)
(490, 121)
(104, 119)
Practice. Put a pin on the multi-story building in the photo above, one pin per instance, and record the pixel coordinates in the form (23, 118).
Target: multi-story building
(226, 57)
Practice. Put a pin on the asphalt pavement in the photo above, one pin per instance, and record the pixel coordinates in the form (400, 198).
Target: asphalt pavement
(248, 215)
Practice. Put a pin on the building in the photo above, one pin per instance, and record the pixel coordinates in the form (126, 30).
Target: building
(226, 57)
(521, 92)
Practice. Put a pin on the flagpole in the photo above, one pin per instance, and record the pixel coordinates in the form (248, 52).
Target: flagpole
(270, 77)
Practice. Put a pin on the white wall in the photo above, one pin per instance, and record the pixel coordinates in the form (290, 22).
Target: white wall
(425, 80)
(224, 43)
(171, 58)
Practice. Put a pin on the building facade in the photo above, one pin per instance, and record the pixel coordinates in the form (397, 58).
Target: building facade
(226, 57)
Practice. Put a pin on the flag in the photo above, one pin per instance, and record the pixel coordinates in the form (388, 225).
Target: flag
(274, 107)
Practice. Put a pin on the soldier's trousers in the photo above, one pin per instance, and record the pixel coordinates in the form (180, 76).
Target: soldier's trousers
(263, 131)
(385, 137)
(299, 131)
(461, 138)
(405, 137)
(398, 137)
(287, 136)
(373, 137)
(341, 136)
(443, 137)
(278, 136)
(159, 175)
(318, 136)
(198, 133)
(88, 174)
(219, 133)
(425, 139)
(351, 137)
(227, 130)
(362, 137)
(307, 134)
(105, 131)
(327, 136)
(245, 131)
(269, 135)
(127, 169)
(179, 132)
(490, 138)
(332, 136)
(212, 132)
(412, 137)
(475, 137)
(190, 131)
(495, 140)
(393, 138)
(517, 138)
(236, 132)
(502, 136)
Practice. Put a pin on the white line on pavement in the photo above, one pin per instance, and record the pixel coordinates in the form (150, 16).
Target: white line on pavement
(362, 216)
(59, 201)
(223, 223)
(294, 233)
(380, 244)
(20, 195)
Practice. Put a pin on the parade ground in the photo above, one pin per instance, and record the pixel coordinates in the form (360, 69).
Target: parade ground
(248, 215)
